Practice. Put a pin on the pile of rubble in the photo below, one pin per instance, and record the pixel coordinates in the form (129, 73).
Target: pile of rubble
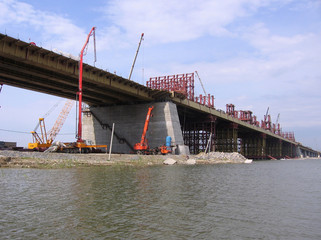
(221, 157)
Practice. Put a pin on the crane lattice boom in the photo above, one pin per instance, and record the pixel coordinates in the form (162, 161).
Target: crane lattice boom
(60, 121)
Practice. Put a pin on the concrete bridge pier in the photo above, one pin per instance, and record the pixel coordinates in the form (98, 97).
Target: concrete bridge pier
(129, 124)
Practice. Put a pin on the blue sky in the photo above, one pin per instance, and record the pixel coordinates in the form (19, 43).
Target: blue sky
(252, 53)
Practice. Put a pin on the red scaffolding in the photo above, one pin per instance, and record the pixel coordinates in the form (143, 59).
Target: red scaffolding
(181, 83)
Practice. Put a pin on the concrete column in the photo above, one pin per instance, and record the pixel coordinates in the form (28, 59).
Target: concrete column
(129, 124)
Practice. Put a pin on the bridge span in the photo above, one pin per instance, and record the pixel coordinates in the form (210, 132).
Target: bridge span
(192, 124)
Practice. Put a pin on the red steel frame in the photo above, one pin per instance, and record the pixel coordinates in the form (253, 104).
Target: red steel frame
(181, 83)
(196, 136)
(246, 116)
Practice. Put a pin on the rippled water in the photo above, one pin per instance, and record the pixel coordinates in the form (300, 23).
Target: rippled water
(263, 200)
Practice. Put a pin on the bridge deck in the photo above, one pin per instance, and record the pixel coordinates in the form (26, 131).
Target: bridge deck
(27, 66)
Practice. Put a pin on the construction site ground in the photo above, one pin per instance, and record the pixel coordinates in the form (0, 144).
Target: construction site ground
(21, 159)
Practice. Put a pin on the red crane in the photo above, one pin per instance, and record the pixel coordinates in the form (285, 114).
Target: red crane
(91, 33)
(143, 144)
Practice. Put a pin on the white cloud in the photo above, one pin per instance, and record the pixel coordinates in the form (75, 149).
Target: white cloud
(172, 21)
(273, 69)
(283, 72)
(52, 27)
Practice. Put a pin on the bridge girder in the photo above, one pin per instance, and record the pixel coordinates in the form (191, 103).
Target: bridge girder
(30, 67)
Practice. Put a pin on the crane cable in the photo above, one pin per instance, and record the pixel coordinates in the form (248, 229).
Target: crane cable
(48, 113)
(86, 48)
(14, 131)
(143, 64)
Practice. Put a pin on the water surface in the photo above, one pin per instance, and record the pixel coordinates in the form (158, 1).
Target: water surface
(263, 200)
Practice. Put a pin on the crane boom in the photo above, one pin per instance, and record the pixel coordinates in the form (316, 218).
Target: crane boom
(140, 41)
(201, 83)
(266, 115)
(1, 85)
(142, 145)
(46, 115)
(45, 140)
(277, 119)
(143, 139)
(79, 135)
(60, 121)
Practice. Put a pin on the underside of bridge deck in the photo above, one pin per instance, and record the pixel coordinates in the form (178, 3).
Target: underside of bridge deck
(207, 132)
(27, 66)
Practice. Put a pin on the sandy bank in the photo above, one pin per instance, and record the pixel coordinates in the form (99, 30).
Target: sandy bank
(62, 160)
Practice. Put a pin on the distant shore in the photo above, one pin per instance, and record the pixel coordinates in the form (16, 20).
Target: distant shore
(20, 159)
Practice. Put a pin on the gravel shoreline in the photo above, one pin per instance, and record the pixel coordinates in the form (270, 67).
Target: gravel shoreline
(21, 159)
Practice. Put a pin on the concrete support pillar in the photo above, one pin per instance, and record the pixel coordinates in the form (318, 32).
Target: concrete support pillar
(129, 123)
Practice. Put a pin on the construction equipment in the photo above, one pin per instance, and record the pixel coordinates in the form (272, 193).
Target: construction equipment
(1, 85)
(140, 41)
(201, 82)
(143, 148)
(72, 147)
(45, 140)
(277, 129)
(266, 115)
(266, 123)
(79, 93)
(277, 119)
(81, 145)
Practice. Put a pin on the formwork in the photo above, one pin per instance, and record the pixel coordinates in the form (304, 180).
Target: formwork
(181, 83)
(199, 136)
(203, 132)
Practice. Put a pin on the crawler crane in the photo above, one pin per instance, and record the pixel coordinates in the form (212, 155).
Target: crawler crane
(72, 147)
(44, 141)
(142, 147)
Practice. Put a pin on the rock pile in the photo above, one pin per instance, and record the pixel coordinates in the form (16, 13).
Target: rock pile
(169, 161)
(220, 157)
(52, 159)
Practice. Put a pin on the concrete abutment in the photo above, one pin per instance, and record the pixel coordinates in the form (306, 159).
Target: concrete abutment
(129, 124)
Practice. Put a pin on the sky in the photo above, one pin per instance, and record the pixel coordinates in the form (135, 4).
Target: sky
(255, 54)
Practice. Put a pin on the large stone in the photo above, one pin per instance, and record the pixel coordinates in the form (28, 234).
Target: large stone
(191, 161)
(169, 161)
(4, 159)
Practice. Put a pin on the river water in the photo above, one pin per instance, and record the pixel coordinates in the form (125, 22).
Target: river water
(262, 200)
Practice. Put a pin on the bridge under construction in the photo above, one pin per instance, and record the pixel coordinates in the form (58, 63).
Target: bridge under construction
(193, 122)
